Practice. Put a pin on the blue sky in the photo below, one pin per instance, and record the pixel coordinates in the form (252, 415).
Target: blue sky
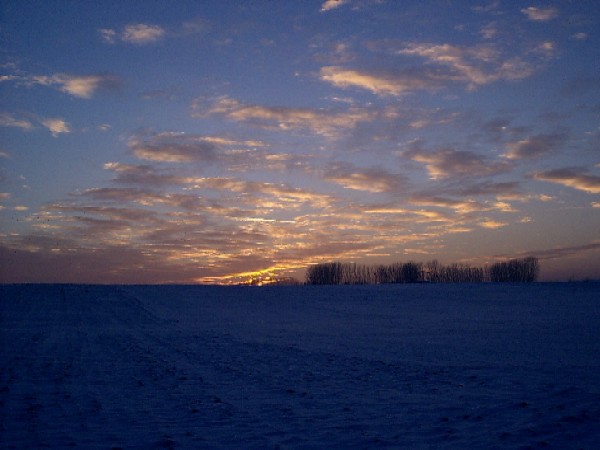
(218, 140)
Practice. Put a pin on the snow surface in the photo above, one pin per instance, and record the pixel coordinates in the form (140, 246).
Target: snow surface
(410, 366)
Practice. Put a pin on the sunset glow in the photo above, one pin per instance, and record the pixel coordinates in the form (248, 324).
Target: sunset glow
(227, 142)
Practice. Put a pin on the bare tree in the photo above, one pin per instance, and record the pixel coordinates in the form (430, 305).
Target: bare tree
(514, 270)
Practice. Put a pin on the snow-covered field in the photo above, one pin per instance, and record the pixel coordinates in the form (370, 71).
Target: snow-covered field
(414, 366)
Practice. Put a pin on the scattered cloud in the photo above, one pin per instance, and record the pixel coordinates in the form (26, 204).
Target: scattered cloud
(328, 5)
(325, 122)
(108, 35)
(580, 36)
(194, 26)
(137, 34)
(141, 196)
(75, 85)
(540, 14)
(491, 224)
(547, 49)
(8, 120)
(491, 7)
(374, 180)
(282, 194)
(56, 126)
(489, 188)
(142, 33)
(559, 252)
(448, 163)
(177, 147)
(382, 85)
(8, 78)
(81, 86)
(535, 146)
(477, 65)
(489, 31)
(173, 147)
(144, 174)
(462, 206)
(574, 177)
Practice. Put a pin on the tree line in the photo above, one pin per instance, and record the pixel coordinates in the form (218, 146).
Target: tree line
(514, 270)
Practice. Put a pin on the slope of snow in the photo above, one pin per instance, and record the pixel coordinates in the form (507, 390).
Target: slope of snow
(419, 366)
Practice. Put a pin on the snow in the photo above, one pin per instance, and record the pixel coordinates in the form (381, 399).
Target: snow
(414, 366)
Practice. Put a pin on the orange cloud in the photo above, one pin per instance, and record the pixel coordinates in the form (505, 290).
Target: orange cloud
(573, 177)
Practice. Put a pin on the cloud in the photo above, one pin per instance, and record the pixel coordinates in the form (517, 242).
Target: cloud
(77, 86)
(540, 14)
(447, 163)
(235, 155)
(328, 5)
(173, 147)
(325, 122)
(477, 65)
(374, 180)
(574, 177)
(8, 120)
(534, 146)
(142, 33)
(143, 197)
(82, 86)
(50, 259)
(491, 7)
(382, 85)
(491, 224)
(108, 35)
(194, 26)
(558, 252)
(120, 194)
(283, 195)
(179, 147)
(137, 34)
(218, 231)
(489, 188)
(144, 174)
(330, 52)
(56, 126)
(489, 31)
(460, 206)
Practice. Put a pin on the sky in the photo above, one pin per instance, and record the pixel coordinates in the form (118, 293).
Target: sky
(219, 141)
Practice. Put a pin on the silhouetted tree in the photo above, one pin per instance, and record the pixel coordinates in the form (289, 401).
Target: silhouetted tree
(514, 270)
(432, 271)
